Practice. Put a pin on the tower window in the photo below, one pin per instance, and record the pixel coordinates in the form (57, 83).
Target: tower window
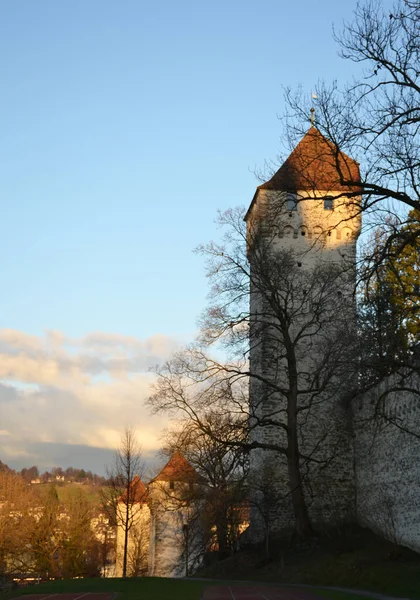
(171, 484)
(291, 202)
(328, 203)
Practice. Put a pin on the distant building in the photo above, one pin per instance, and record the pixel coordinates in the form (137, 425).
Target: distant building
(165, 539)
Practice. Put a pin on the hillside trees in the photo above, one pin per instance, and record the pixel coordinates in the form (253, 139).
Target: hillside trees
(16, 524)
(311, 353)
(30, 473)
(79, 553)
(45, 536)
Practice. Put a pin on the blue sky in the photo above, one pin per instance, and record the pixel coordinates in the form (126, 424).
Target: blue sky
(125, 126)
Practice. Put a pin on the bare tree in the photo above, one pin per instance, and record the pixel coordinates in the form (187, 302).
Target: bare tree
(300, 330)
(17, 525)
(121, 496)
(78, 552)
(223, 471)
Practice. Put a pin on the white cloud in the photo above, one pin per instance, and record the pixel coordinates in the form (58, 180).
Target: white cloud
(58, 390)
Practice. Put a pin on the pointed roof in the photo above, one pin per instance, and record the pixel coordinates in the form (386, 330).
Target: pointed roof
(178, 469)
(138, 492)
(315, 164)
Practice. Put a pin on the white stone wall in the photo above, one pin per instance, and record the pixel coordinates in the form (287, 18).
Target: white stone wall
(171, 510)
(387, 461)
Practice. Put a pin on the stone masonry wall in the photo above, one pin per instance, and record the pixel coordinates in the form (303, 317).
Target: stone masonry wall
(387, 461)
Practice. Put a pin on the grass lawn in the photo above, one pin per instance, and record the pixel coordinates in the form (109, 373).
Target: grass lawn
(147, 588)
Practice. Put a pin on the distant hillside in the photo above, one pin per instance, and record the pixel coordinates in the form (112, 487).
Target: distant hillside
(4, 468)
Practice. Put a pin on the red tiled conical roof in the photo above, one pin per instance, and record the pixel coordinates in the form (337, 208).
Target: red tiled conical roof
(178, 469)
(316, 164)
(138, 492)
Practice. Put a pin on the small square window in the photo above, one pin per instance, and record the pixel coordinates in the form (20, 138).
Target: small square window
(328, 203)
(291, 202)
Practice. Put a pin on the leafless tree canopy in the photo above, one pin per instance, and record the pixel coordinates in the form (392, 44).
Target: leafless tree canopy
(303, 328)
(121, 496)
(375, 119)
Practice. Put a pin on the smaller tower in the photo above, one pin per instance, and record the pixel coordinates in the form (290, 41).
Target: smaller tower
(174, 529)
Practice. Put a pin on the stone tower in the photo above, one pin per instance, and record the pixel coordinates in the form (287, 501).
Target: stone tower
(175, 547)
(302, 228)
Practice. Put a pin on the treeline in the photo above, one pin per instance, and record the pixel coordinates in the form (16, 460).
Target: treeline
(57, 474)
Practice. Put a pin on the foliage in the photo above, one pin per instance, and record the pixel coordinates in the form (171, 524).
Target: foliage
(43, 535)
(388, 315)
(299, 322)
(402, 275)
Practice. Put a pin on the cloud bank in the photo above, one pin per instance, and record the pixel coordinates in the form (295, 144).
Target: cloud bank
(58, 392)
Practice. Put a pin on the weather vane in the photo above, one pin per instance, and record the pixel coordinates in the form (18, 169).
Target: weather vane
(314, 97)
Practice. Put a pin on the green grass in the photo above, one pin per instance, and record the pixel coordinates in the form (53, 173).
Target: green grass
(67, 489)
(147, 588)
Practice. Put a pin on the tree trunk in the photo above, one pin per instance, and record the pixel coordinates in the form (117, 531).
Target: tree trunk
(221, 534)
(302, 522)
(126, 528)
(267, 542)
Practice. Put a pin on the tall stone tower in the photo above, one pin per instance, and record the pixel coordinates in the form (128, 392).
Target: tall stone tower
(302, 228)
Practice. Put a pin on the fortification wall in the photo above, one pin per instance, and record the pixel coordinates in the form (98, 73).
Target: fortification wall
(387, 460)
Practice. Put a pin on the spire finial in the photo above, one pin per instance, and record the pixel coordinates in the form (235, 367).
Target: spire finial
(314, 97)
